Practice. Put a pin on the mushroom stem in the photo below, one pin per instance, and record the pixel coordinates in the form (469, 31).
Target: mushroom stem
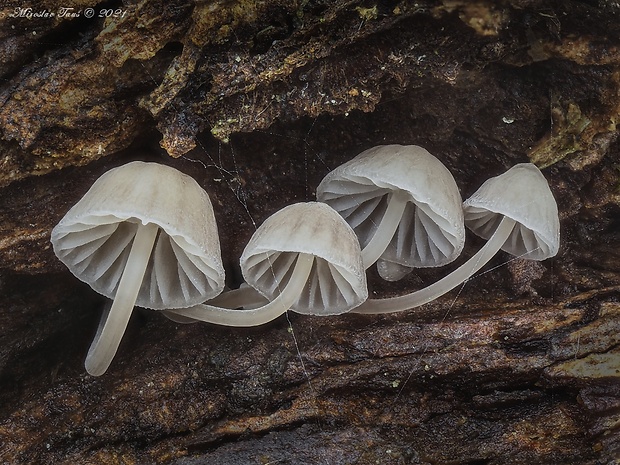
(257, 316)
(384, 233)
(113, 324)
(446, 284)
(244, 297)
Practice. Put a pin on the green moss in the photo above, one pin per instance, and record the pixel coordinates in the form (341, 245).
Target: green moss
(367, 14)
(565, 138)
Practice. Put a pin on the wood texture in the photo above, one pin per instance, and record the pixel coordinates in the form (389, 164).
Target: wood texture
(258, 101)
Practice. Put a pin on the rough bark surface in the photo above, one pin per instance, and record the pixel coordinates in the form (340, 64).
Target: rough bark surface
(258, 101)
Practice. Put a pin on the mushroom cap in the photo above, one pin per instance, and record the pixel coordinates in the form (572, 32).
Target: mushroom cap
(521, 193)
(337, 281)
(431, 232)
(94, 238)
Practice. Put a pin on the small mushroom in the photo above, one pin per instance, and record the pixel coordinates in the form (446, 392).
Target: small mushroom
(144, 234)
(402, 203)
(304, 257)
(515, 212)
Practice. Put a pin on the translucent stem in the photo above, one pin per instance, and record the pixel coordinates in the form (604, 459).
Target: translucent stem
(257, 316)
(385, 231)
(177, 318)
(113, 324)
(446, 284)
(244, 297)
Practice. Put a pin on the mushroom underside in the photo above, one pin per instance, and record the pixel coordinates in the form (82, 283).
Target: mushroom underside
(392, 226)
(114, 321)
(177, 273)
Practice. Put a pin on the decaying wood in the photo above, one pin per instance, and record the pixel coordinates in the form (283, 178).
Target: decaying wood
(258, 101)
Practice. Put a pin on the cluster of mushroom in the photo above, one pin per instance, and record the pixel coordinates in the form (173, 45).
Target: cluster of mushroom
(145, 234)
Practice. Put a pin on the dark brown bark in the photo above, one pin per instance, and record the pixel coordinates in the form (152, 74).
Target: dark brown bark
(258, 101)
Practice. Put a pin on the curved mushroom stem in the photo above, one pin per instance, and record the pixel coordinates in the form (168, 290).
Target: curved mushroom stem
(113, 324)
(446, 284)
(257, 316)
(385, 231)
(178, 318)
(243, 297)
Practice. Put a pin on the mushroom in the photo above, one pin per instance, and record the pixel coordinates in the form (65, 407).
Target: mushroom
(144, 234)
(402, 203)
(304, 257)
(515, 212)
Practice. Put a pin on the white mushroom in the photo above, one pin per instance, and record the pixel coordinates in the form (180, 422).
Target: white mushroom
(304, 257)
(402, 203)
(144, 234)
(515, 211)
